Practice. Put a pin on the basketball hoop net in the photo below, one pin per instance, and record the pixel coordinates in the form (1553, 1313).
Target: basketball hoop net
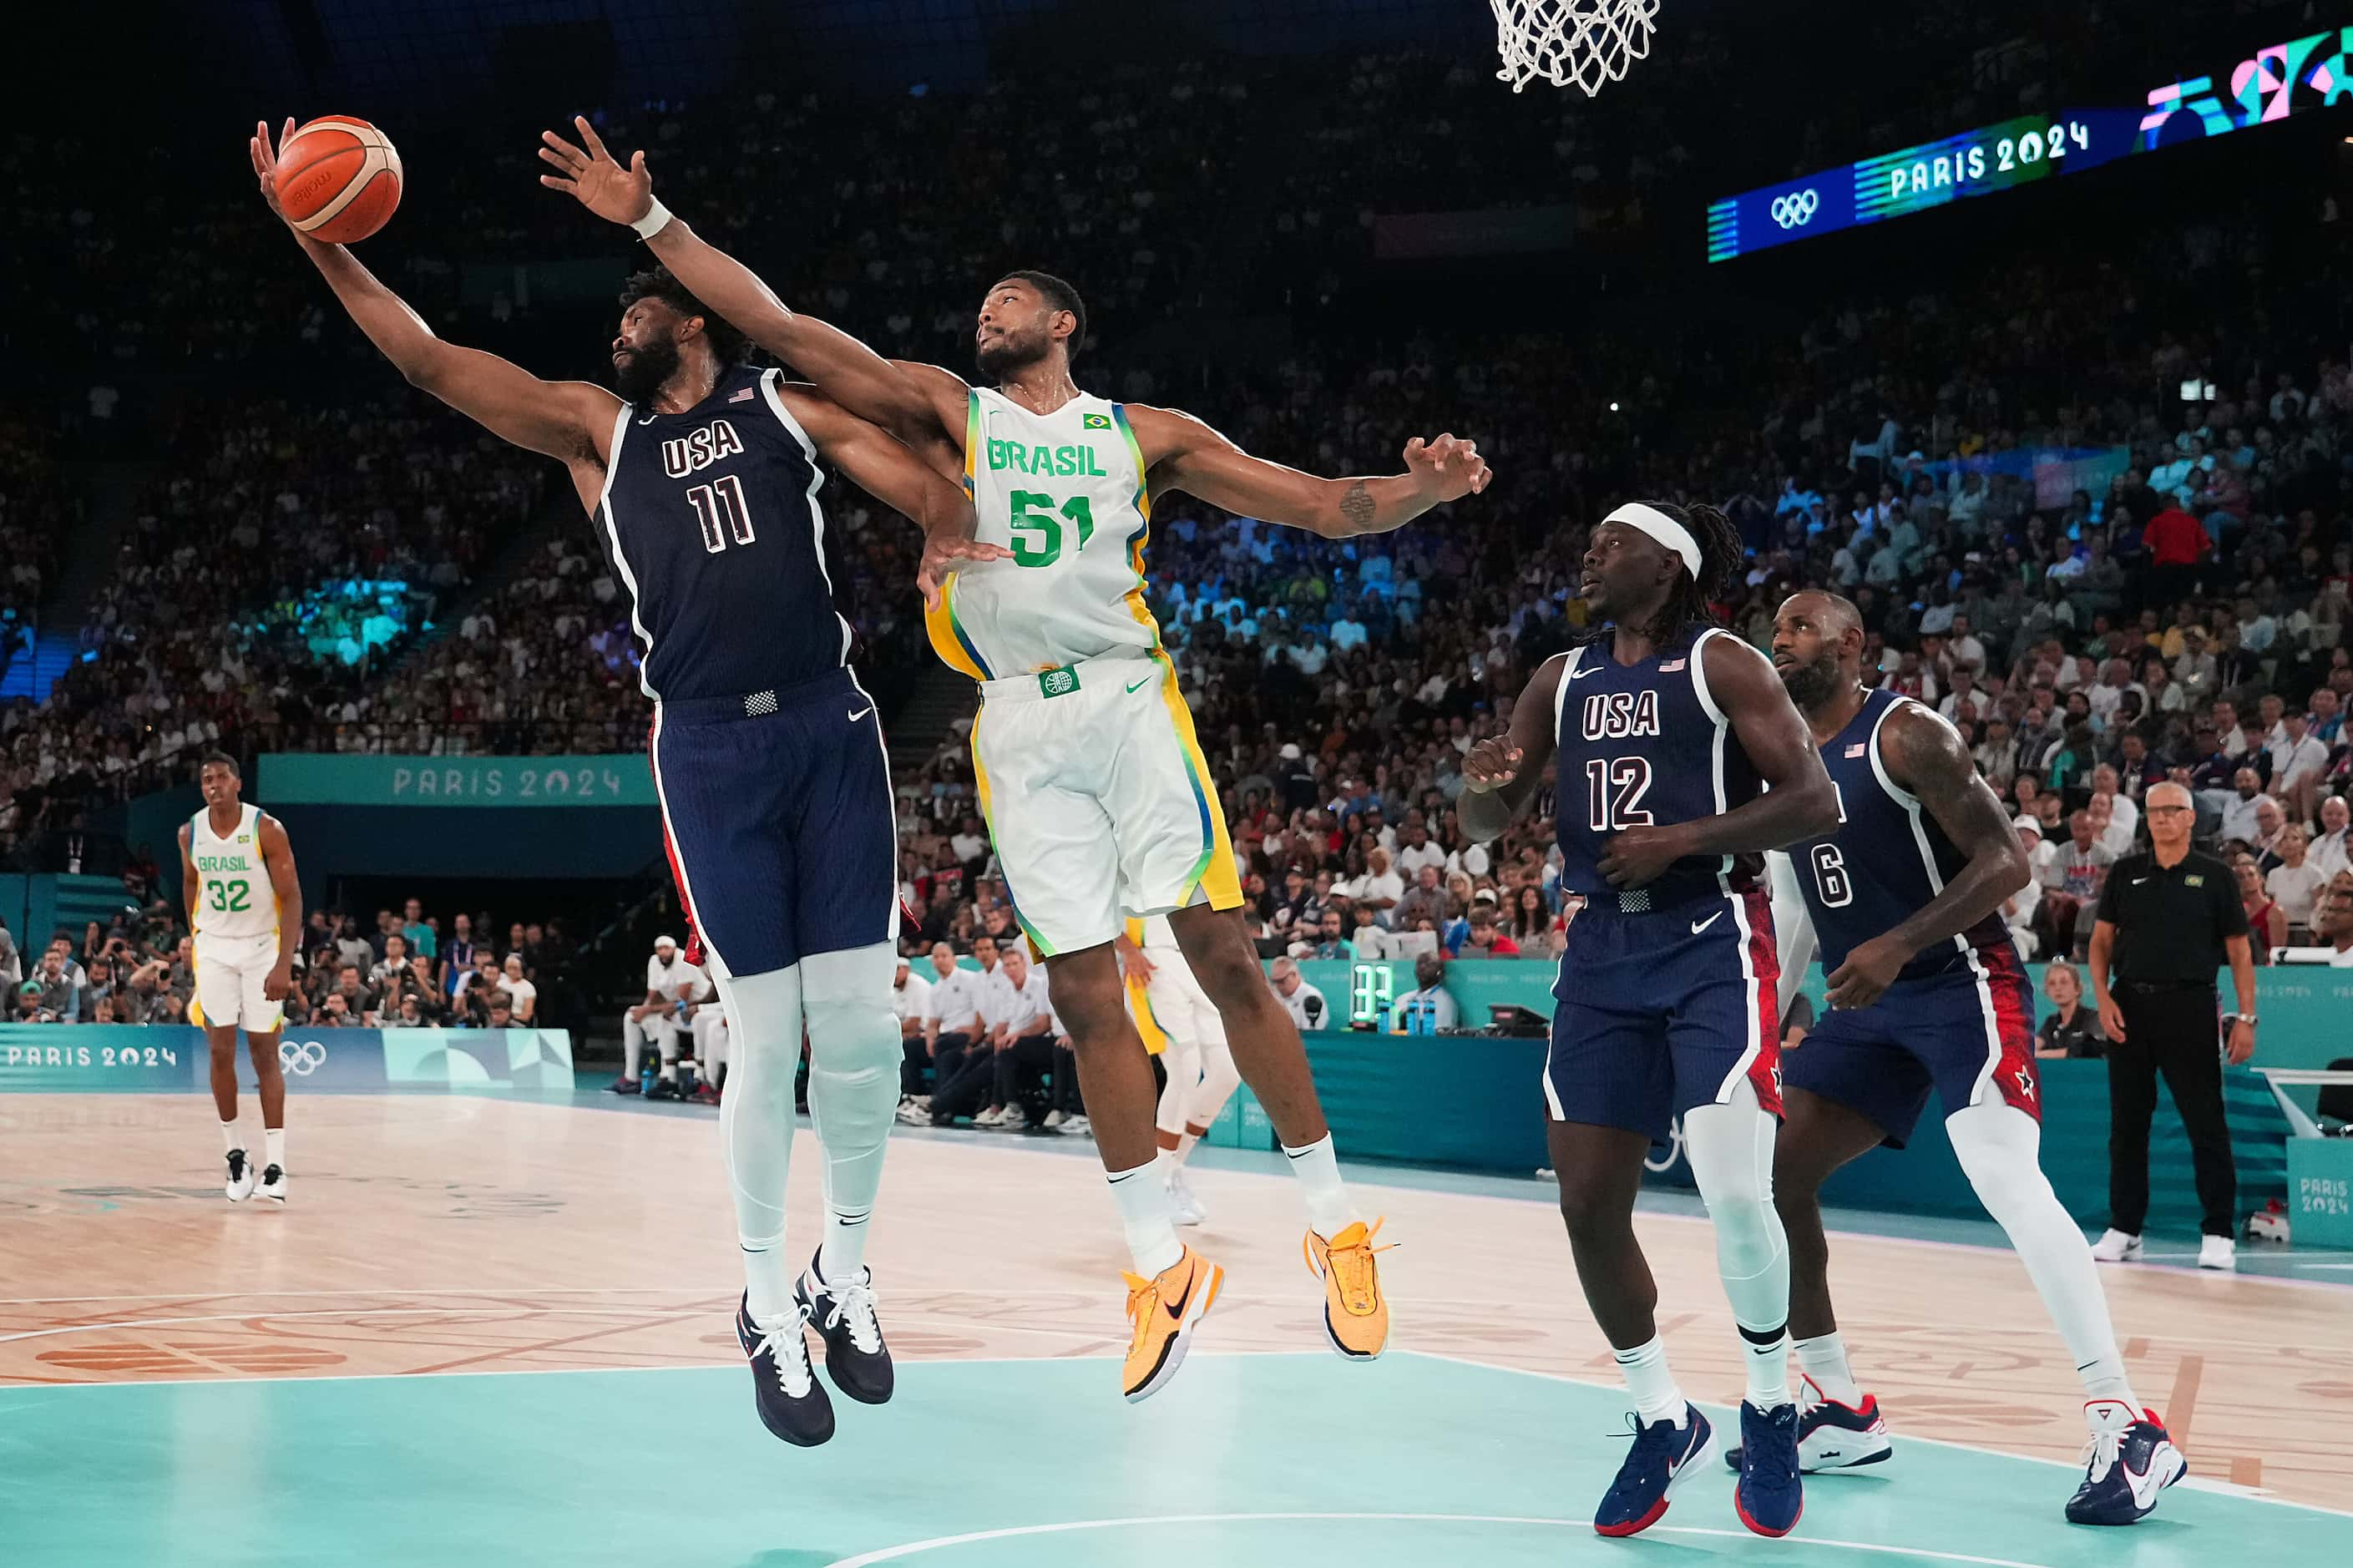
(1588, 42)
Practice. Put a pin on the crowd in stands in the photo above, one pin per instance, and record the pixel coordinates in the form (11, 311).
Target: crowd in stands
(403, 969)
(2103, 585)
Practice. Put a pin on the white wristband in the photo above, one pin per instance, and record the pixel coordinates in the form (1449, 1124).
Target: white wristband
(656, 218)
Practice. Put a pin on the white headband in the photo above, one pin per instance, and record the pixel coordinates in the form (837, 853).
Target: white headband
(1673, 535)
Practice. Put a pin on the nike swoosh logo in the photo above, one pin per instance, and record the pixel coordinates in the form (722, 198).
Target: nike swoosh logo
(862, 713)
(2144, 1484)
(1176, 1308)
(1133, 689)
(2138, 880)
(648, 420)
(1581, 674)
(1699, 926)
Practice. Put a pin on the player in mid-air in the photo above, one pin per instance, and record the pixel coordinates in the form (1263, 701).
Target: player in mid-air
(701, 477)
(1926, 990)
(1097, 795)
(244, 906)
(1680, 761)
(1179, 1024)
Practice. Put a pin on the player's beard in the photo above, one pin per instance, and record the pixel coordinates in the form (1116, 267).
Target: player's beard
(640, 374)
(1000, 360)
(1811, 685)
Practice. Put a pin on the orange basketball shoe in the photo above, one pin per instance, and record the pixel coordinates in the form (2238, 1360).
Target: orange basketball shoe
(1161, 1312)
(1356, 1314)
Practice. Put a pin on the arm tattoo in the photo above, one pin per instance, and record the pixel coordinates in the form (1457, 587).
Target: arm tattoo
(1356, 507)
(1933, 762)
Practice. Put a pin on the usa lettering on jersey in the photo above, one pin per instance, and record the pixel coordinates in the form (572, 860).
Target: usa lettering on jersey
(1620, 715)
(684, 454)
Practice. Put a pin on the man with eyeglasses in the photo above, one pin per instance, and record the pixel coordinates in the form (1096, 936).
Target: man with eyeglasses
(2167, 921)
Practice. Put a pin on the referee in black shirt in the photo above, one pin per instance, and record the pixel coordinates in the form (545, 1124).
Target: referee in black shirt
(2166, 920)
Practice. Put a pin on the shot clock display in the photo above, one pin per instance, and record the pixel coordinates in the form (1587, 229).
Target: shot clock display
(2294, 77)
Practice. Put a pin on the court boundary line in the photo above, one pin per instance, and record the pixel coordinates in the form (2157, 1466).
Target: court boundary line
(8, 1388)
(2197, 1483)
(909, 1549)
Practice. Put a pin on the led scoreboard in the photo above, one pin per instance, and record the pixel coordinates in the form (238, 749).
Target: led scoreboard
(2279, 80)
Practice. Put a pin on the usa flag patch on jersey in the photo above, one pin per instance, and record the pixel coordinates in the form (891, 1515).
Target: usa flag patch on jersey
(1671, 665)
(746, 395)
(1858, 748)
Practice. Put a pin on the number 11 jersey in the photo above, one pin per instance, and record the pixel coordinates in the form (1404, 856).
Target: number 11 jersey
(1064, 492)
(1644, 745)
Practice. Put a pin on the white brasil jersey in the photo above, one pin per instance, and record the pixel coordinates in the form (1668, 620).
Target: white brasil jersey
(234, 897)
(1064, 492)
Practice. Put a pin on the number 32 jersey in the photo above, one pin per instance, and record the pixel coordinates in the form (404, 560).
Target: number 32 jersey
(1644, 745)
(1064, 492)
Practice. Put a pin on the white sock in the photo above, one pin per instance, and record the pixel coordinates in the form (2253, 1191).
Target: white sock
(275, 1138)
(1185, 1142)
(1656, 1397)
(1318, 1170)
(229, 1145)
(1142, 1195)
(842, 1255)
(1165, 1159)
(1999, 1148)
(668, 1073)
(1823, 1359)
(1765, 1354)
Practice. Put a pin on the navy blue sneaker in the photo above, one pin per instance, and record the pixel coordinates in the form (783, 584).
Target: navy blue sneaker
(793, 1404)
(1663, 1454)
(855, 1356)
(1833, 1437)
(1769, 1497)
(2132, 1459)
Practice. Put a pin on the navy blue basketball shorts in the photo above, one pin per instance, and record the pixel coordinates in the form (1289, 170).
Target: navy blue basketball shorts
(777, 809)
(1968, 1032)
(1663, 1011)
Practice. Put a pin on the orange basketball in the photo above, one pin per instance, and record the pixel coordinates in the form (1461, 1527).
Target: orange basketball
(338, 179)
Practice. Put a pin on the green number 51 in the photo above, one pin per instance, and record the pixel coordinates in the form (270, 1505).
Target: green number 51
(1036, 513)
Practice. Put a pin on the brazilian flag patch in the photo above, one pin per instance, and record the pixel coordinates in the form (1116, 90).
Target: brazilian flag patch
(1095, 421)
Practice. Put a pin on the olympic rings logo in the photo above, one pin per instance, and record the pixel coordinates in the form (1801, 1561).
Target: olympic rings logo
(1797, 209)
(302, 1057)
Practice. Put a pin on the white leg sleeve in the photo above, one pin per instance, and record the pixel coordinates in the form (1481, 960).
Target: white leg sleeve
(633, 1046)
(854, 1059)
(1999, 1147)
(1731, 1153)
(1183, 1060)
(710, 1024)
(755, 1126)
(1219, 1076)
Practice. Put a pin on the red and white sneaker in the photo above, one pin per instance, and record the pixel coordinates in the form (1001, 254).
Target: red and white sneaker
(1834, 1437)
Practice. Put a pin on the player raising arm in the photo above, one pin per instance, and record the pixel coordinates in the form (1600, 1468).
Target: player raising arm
(1099, 799)
(702, 477)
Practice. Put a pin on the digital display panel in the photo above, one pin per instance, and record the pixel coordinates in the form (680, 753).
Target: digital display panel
(2275, 82)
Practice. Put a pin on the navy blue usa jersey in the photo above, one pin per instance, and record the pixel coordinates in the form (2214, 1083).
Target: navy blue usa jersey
(712, 524)
(1645, 745)
(1887, 859)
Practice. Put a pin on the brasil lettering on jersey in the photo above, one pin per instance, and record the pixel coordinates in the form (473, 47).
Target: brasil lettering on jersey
(225, 863)
(1022, 458)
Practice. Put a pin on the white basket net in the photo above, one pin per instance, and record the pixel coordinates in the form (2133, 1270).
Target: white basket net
(1588, 42)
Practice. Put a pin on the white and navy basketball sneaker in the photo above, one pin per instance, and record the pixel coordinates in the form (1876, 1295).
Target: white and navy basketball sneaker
(241, 1176)
(1663, 1455)
(1833, 1437)
(1769, 1497)
(273, 1183)
(793, 1404)
(2132, 1459)
(855, 1356)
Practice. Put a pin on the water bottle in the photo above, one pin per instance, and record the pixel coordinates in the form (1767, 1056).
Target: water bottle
(646, 1073)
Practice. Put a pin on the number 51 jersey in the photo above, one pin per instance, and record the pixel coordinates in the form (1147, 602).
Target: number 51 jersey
(1064, 492)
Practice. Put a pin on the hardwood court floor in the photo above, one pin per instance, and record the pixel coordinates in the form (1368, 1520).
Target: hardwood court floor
(458, 1234)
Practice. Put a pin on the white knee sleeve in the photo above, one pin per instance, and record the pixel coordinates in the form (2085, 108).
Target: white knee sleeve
(1219, 1078)
(1183, 1061)
(756, 1119)
(854, 1059)
(1793, 927)
(1731, 1152)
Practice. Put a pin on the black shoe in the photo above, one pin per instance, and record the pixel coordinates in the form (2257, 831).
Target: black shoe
(663, 1088)
(626, 1086)
(855, 1356)
(793, 1404)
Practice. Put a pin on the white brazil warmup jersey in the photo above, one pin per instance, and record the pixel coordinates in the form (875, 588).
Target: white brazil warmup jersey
(1064, 492)
(234, 898)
